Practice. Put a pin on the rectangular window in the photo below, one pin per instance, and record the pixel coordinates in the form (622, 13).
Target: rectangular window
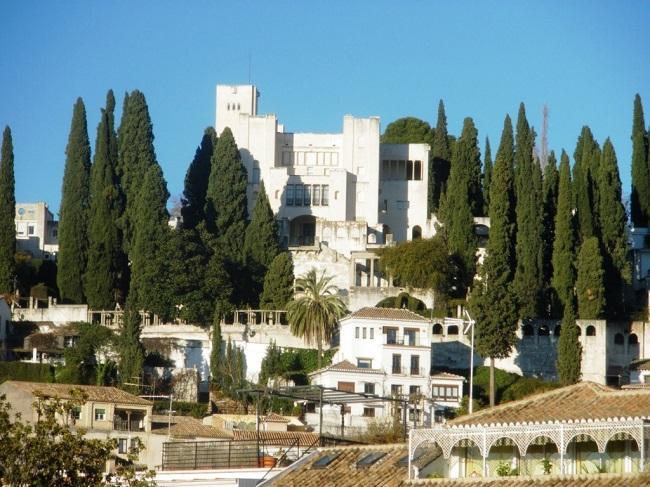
(369, 387)
(316, 196)
(364, 363)
(409, 337)
(415, 365)
(299, 193)
(391, 336)
(372, 333)
(417, 171)
(356, 332)
(444, 393)
(30, 230)
(290, 195)
(122, 445)
(307, 195)
(345, 386)
(325, 199)
(396, 390)
(409, 170)
(397, 363)
(368, 412)
(401, 171)
(100, 414)
(76, 413)
(364, 332)
(413, 390)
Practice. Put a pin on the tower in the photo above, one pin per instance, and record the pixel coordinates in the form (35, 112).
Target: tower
(232, 101)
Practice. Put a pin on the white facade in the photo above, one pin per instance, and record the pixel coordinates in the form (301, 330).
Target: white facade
(36, 230)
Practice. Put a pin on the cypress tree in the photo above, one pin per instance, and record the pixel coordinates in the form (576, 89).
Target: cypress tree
(261, 244)
(219, 284)
(75, 202)
(458, 215)
(136, 155)
(7, 214)
(564, 241)
(487, 176)
(102, 280)
(216, 355)
(131, 353)
(640, 197)
(196, 181)
(440, 166)
(585, 192)
(569, 349)
(613, 230)
(549, 197)
(278, 283)
(226, 210)
(590, 285)
(492, 300)
(150, 282)
(527, 282)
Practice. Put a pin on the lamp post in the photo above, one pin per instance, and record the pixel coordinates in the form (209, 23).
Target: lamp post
(469, 323)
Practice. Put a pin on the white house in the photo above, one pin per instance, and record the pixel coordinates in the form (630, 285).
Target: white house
(387, 352)
(36, 230)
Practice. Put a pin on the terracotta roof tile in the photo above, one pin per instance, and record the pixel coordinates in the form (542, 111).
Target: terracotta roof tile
(275, 418)
(64, 391)
(446, 375)
(582, 401)
(347, 366)
(279, 438)
(387, 314)
(185, 427)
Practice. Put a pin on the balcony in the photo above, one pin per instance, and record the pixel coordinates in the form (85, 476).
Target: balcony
(131, 422)
(412, 371)
(409, 340)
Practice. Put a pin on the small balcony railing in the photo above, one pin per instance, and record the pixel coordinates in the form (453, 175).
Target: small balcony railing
(121, 424)
(405, 340)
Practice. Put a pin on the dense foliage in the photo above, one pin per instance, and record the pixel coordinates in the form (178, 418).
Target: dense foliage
(7, 214)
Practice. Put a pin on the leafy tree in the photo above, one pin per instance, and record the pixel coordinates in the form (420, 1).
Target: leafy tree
(407, 130)
(569, 350)
(103, 280)
(585, 171)
(261, 244)
(150, 281)
(492, 301)
(439, 169)
(549, 200)
(564, 242)
(7, 214)
(590, 285)
(640, 197)
(226, 204)
(75, 201)
(528, 183)
(487, 176)
(196, 181)
(613, 230)
(131, 359)
(315, 310)
(81, 364)
(278, 283)
(136, 155)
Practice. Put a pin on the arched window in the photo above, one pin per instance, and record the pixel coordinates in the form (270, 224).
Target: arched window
(416, 233)
(437, 329)
(543, 331)
(528, 331)
(452, 330)
(591, 331)
(619, 339)
(633, 339)
(557, 331)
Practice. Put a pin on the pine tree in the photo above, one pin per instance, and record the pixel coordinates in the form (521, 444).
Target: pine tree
(527, 282)
(278, 283)
(131, 359)
(440, 166)
(613, 231)
(640, 197)
(590, 285)
(102, 280)
(216, 355)
(75, 202)
(549, 198)
(136, 155)
(569, 349)
(458, 215)
(564, 241)
(261, 244)
(492, 300)
(7, 214)
(585, 191)
(150, 281)
(226, 204)
(487, 176)
(196, 181)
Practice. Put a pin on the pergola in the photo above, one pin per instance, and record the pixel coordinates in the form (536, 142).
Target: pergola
(322, 395)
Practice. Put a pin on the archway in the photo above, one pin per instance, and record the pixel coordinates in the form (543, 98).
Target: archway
(427, 450)
(437, 329)
(622, 454)
(416, 232)
(503, 454)
(302, 230)
(470, 460)
(582, 449)
(591, 331)
(542, 457)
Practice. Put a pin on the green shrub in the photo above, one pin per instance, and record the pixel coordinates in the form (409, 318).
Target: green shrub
(26, 371)
(195, 409)
(525, 386)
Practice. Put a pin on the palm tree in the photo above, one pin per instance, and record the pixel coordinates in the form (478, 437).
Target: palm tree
(315, 309)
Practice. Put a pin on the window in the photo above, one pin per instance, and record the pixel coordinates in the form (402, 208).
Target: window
(591, 331)
(444, 393)
(414, 390)
(437, 329)
(632, 339)
(356, 332)
(402, 205)
(290, 195)
(452, 330)
(364, 363)
(391, 336)
(316, 195)
(299, 193)
(410, 337)
(397, 363)
(409, 170)
(256, 175)
(368, 412)
(369, 387)
(396, 389)
(324, 461)
(122, 445)
(415, 365)
(417, 170)
(345, 386)
(75, 413)
(364, 332)
(307, 195)
(325, 196)
(372, 333)
(370, 459)
(30, 230)
(100, 414)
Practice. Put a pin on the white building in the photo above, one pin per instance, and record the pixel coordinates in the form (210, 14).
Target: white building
(36, 230)
(387, 352)
(336, 196)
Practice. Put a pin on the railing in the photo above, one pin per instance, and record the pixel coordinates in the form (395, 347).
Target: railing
(405, 340)
(294, 443)
(414, 371)
(195, 455)
(121, 424)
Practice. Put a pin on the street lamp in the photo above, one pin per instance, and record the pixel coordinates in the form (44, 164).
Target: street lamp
(467, 324)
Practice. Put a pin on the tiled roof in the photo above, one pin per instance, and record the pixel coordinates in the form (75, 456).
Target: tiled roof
(93, 393)
(446, 375)
(346, 366)
(387, 314)
(185, 427)
(641, 364)
(579, 402)
(601, 480)
(278, 438)
(275, 418)
(343, 471)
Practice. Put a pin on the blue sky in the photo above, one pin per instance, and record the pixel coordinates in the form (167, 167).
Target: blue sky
(315, 62)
